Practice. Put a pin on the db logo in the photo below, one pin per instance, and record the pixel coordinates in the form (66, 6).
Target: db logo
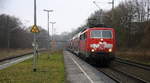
(101, 46)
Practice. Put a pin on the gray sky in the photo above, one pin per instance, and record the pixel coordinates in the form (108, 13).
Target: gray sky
(68, 14)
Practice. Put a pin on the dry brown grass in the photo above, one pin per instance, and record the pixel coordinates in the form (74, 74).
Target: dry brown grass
(12, 52)
(137, 56)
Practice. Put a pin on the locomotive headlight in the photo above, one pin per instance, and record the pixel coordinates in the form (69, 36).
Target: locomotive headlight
(110, 50)
(92, 50)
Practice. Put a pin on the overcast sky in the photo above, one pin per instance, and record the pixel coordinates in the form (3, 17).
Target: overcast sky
(68, 14)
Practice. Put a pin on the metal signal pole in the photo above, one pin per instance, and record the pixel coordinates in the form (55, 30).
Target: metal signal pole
(148, 10)
(53, 42)
(34, 41)
(101, 12)
(48, 19)
(112, 12)
(52, 28)
(48, 27)
(113, 6)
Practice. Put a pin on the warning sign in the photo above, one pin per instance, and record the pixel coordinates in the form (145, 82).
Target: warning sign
(35, 29)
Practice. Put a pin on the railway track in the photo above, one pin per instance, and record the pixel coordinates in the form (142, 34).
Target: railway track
(121, 77)
(6, 62)
(124, 71)
(17, 56)
(139, 65)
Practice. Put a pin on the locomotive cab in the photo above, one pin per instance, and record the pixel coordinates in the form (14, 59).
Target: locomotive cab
(101, 43)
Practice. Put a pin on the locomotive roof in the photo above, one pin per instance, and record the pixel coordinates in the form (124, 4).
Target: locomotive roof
(95, 28)
(100, 28)
(92, 28)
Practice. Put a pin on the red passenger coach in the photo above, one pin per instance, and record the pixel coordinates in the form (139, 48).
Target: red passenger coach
(97, 44)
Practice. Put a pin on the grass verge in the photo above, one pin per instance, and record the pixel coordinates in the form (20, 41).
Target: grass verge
(48, 71)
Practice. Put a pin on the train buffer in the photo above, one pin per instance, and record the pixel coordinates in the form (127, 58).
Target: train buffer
(79, 71)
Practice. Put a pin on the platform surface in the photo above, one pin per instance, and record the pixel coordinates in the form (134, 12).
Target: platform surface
(79, 71)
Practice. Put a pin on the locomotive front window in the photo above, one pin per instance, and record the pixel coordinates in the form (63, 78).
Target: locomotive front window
(96, 34)
(101, 34)
(106, 34)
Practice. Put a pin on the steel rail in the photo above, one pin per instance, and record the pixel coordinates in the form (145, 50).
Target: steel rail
(130, 76)
(116, 80)
(121, 73)
(128, 62)
(21, 55)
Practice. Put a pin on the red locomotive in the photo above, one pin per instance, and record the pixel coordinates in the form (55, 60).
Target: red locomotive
(97, 44)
